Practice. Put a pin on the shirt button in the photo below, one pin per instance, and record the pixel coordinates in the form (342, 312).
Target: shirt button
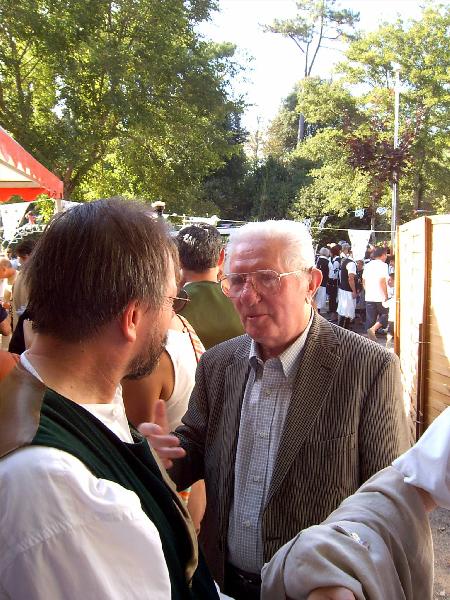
(256, 478)
(247, 523)
(115, 412)
(262, 434)
(268, 392)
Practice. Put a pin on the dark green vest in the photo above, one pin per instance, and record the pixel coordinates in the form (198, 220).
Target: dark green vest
(69, 427)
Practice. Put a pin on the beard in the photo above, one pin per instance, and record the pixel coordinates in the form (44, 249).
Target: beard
(145, 362)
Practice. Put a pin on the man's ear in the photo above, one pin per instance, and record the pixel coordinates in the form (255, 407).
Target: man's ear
(314, 281)
(129, 320)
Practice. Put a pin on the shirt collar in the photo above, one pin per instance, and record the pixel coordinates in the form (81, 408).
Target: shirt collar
(289, 358)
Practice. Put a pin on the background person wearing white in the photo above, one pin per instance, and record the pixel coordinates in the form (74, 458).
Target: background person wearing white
(375, 276)
(347, 288)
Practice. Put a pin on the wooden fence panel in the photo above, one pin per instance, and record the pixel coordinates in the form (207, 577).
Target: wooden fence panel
(423, 317)
(412, 270)
(437, 376)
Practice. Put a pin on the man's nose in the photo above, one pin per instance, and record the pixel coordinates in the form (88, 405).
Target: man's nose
(249, 292)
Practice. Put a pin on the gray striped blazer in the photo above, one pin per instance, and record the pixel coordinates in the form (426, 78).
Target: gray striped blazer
(345, 422)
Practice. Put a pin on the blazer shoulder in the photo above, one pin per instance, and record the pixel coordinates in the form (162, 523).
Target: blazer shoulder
(238, 347)
(362, 347)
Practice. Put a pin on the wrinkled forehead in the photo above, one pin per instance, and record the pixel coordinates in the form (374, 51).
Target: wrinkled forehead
(257, 253)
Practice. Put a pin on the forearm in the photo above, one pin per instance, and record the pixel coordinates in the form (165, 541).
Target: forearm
(377, 530)
(352, 282)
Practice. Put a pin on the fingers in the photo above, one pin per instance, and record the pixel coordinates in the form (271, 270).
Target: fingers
(331, 593)
(160, 416)
(167, 446)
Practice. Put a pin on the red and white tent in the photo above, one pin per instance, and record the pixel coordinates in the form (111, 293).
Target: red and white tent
(23, 175)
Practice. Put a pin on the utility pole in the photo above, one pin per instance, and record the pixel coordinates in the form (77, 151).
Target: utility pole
(394, 211)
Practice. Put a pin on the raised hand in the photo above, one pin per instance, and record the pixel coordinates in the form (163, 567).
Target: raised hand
(167, 445)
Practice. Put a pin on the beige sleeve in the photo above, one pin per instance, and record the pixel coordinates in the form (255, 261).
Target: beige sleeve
(376, 544)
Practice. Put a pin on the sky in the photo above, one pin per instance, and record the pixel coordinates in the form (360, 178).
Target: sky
(276, 62)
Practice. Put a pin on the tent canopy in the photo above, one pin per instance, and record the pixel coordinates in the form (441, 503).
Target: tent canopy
(23, 175)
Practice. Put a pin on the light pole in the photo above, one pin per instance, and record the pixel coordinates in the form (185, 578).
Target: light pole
(394, 215)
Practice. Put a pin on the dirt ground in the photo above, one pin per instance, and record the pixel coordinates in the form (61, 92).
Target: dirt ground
(440, 526)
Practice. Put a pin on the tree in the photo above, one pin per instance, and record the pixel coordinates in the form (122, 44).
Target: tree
(94, 87)
(352, 145)
(375, 155)
(282, 132)
(272, 186)
(316, 22)
(421, 49)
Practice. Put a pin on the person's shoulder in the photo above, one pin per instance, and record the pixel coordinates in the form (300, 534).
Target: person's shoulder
(229, 348)
(56, 477)
(360, 348)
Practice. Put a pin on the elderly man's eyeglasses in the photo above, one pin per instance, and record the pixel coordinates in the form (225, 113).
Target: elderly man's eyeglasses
(177, 303)
(264, 282)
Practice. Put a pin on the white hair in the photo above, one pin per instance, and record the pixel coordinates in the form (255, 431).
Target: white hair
(324, 252)
(298, 252)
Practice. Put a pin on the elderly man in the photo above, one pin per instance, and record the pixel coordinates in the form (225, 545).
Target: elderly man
(85, 510)
(285, 421)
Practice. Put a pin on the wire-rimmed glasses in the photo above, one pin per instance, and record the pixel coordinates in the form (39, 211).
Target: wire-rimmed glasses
(178, 302)
(264, 281)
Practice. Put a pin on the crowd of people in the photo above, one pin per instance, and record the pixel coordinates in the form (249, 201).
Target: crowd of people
(358, 292)
(181, 421)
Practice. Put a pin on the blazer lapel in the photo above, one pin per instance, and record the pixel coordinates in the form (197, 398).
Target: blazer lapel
(235, 381)
(313, 380)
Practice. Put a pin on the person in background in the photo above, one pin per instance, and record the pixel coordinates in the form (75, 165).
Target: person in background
(347, 288)
(12, 257)
(391, 306)
(360, 309)
(5, 322)
(375, 278)
(20, 290)
(8, 361)
(7, 278)
(210, 313)
(333, 280)
(322, 263)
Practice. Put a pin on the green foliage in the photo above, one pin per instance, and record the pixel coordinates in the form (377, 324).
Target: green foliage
(422, 52)
(45, 208)
(126, 90)
(335, 187)
(351, 135)
(282, 132)
(272, 186)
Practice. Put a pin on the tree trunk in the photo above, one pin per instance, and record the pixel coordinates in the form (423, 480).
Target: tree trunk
(301, 128)
(372, 221)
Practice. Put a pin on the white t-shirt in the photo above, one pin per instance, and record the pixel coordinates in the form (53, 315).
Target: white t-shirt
(373, 273)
